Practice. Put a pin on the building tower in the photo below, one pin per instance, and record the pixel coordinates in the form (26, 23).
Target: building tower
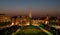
(46, 20)
(13, 22)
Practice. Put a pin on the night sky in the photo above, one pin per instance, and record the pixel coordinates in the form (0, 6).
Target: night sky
(38, 7)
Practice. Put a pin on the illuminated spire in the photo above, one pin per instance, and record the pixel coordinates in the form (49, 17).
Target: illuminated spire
(30, 15)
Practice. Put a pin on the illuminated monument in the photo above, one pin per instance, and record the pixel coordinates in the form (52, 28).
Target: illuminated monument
(30, 16)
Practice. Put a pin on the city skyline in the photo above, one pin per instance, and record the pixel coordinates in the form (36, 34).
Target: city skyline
(38, 7)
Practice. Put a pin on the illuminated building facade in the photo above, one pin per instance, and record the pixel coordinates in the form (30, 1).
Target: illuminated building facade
(4, 18)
